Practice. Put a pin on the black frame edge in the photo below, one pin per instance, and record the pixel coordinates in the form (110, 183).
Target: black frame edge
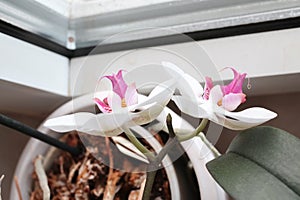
(24, 35)
(34, 39)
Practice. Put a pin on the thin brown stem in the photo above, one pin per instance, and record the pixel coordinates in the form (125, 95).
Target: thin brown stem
(108, 189)
(18, 188)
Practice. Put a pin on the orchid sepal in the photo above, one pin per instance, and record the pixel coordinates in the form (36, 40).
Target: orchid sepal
(186, 84)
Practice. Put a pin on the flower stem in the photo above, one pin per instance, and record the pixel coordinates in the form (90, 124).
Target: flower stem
(209, 144)
(149, 184)
(196, 132)
(138, 144)
(151, 168)
(172, 141)
(151, 173)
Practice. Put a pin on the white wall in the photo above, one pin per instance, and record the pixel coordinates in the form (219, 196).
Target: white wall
(27, 64)
(260, 55)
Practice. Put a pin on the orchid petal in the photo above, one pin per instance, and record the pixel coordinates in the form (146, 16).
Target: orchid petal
(208, 86)
(187, 85)
(172, 69)
(252, 115)
(103, 107)
(179, 124)
(147, 115)
(211, 110)
(102, 94)
(188, 106)
(194, 84)
(215, 95)
(231, 101)
(101, 104)
(131, 95)
(68, 122)
(239, 125)
(166, 87)
(161, 94)
(108, 124)
(115, 102)
(141, 98)
(238, 120)
(119, 75)
(244, 119)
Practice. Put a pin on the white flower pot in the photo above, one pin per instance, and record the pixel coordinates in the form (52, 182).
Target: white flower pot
(198, 153)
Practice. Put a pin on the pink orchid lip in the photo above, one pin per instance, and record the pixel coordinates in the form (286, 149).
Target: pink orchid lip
(232, 93)
(118, 83)
(236, 85)
(126, 95)
(103, 105)
(208, 86)
(231, 101)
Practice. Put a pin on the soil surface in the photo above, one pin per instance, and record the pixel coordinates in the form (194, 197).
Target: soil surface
(87, 177)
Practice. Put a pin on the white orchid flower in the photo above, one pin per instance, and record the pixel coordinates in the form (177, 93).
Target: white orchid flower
(216, 103)
(121, 107)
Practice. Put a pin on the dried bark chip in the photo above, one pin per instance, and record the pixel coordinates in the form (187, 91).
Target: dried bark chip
(86, 178)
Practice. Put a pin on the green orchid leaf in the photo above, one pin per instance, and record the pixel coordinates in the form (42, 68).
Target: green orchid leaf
(260, 163)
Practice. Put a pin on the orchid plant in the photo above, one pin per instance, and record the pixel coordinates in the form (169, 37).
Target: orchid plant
(122, 108)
